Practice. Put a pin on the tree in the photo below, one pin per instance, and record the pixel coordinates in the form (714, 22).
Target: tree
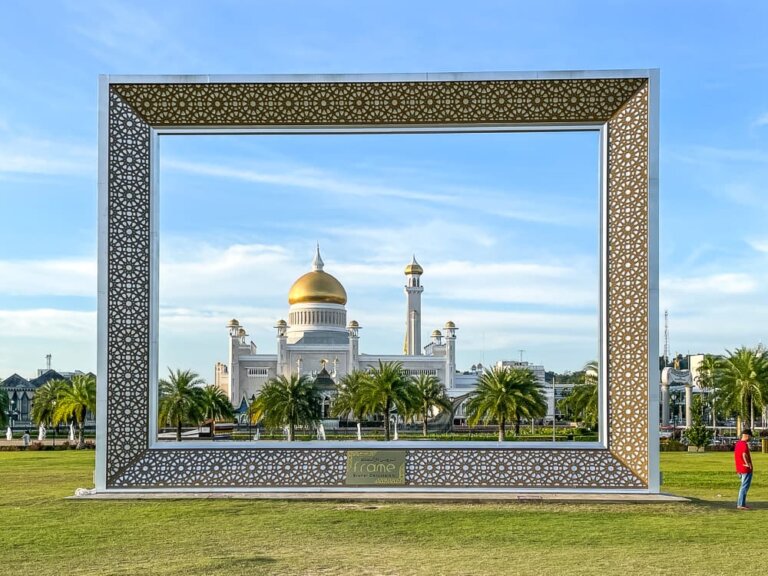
(180, 399)
(697, 433)
(582, 401)
(349, 399)
(504, 394)
(73, 401)
(386, 388)
(290, 402)
(429, 393)
(707, 379)
(742, 377)
(214, 404)
(46, 400)
(5, 407)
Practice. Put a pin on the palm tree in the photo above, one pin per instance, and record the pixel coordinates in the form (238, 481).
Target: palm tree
(349, 398)
(180, 397)
(503, 394)
(73, 401)
(590, 372)
(743, 379)
(386, 388)
(429, 393)
(215, 404)
(582, 401)
(290, 401)
(46, 399)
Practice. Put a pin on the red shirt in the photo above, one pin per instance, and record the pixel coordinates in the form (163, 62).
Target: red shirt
(741, 453)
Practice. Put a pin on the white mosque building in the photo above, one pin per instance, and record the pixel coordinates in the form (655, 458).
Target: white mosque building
(318, 341)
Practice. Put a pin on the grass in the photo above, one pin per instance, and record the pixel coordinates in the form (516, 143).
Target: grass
(41, 533)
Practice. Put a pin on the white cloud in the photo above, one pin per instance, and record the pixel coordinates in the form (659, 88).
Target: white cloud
(728, 284)
(64, 277)
(705, 155)
(510, 204)
(762, 120)
(310, 178)
(48, 322)
(518, 282)
(759, 245)
(115, 30)
(26, 336)
(25, 155)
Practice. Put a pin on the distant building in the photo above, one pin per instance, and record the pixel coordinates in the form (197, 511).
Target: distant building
(21, 392)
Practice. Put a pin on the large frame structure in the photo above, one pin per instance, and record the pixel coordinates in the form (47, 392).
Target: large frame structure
(135, 110)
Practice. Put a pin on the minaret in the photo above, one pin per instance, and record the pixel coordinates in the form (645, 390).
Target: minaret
(450, 354)
(354, 350)
(413, 290)
(234, 368)
(283, 369)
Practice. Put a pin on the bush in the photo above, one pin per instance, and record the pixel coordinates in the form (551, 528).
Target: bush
(697, 434)
(672, 445)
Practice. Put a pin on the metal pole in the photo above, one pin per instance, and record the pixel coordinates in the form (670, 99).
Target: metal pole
(554, 410)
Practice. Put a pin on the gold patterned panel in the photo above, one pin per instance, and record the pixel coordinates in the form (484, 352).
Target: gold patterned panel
(628, 284)
(376, 103)
(135, 108)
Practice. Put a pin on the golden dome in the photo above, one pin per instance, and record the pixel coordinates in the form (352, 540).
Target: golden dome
(450, 324)
(317, 286)
(414, 267)
(233, 323)
(436, 333)
(354, 324)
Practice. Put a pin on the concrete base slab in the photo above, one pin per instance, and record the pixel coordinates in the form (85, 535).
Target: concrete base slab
(477, 497)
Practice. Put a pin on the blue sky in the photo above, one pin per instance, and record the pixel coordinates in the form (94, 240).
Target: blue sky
(514, 267)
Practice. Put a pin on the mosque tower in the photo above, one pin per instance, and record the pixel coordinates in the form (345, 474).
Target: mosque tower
(413, 290)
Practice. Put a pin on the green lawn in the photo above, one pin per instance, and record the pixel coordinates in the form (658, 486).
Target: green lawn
(41, 533)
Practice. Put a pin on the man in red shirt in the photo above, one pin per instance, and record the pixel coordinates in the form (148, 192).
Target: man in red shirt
(743, 467)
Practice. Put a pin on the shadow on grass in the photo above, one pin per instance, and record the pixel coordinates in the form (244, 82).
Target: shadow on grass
(235, 563)
(724, 504)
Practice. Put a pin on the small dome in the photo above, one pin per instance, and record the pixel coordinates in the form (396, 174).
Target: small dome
(233, 323)
(436, 333)
(282, 323)
(414, 268)
(242, 332)
(354, 324)
(450, 324)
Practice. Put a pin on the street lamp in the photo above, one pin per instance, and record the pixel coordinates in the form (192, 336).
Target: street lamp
(11, 413)
(554, 409)
(55, 427)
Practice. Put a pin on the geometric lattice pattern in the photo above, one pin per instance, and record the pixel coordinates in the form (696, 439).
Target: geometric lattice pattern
(628, 282)
(134, 109)
(375, 103)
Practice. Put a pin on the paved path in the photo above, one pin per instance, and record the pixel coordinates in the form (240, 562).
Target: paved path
(486, 497)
